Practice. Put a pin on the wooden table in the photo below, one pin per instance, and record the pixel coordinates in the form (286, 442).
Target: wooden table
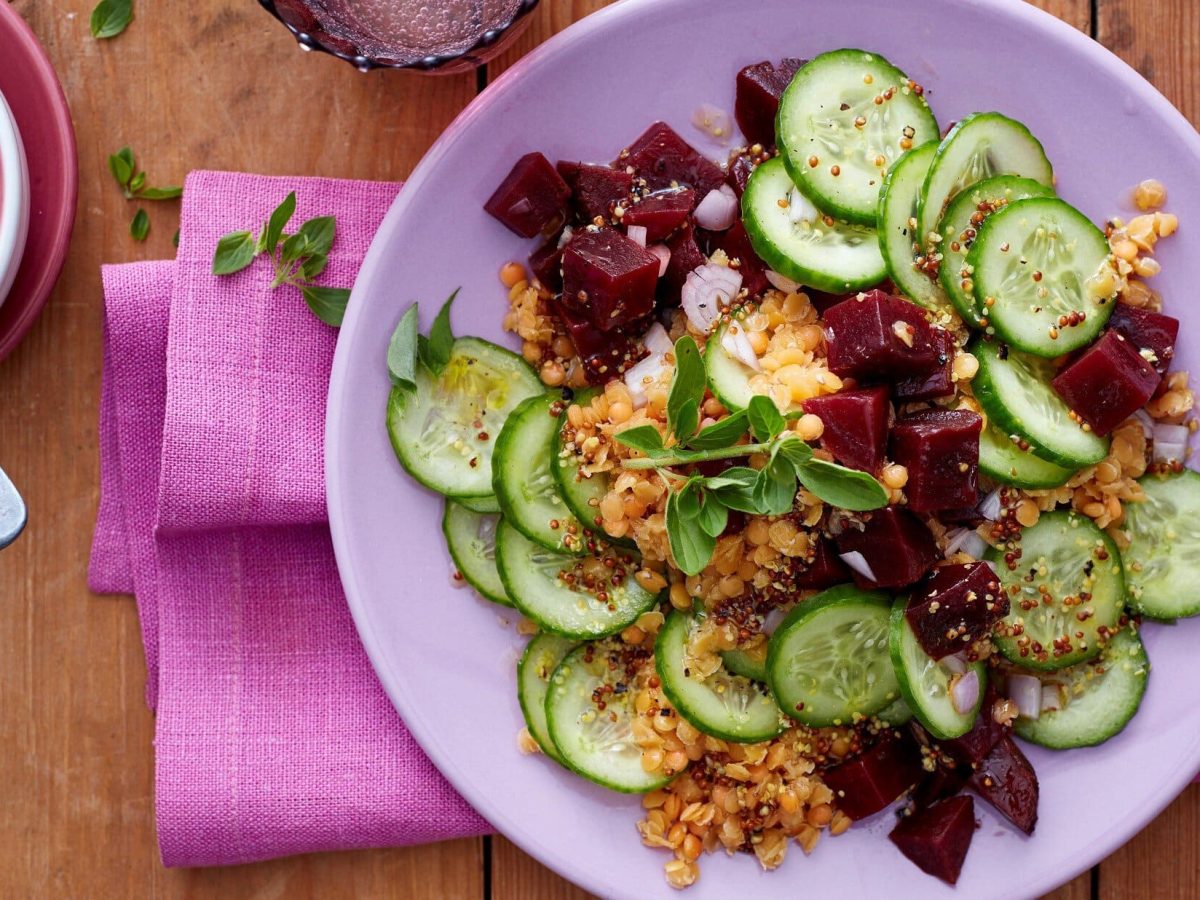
(218, 84)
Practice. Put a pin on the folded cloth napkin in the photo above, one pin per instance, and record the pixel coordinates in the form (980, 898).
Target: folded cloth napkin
(273, 735)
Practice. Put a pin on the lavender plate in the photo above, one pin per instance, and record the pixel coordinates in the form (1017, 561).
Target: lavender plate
(447, 660)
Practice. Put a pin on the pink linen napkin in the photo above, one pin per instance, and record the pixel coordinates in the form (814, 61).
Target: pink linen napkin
(273, 735)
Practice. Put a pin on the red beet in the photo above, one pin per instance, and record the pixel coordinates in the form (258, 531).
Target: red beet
(937, 838)
(546, 264)
(661, 212)
(1147, 330)
(664, 160)
(594, 189)
(940, 449)
(686, 255)
(942, 782)
(856, 426)
(736, 244)
(955, 606)
(976, 744)
(740, 169)
(1005, 779)
(610, 277)
(895, 543)
(824, 570)
(874, 336)
(759, 88)
(938, 383)
(1108, 383)
(873, 780)
(604, 353)
(532, 198)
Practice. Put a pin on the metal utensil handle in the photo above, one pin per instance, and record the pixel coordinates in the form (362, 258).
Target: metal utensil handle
(12, 511)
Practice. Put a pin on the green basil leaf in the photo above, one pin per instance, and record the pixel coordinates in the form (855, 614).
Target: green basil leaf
(294, 247)
(327, 303)
(642, 437)
(280, 216)
(794, 450)
(137, 181)
(175, 239)
(402, 351)
(121, 166)
(110, 18)
(722, 434)
(687, 385)
(320, 232)
(171, 192)
(775, 488)
(765, 419)
(234, 252)
(435, 351)
(313, 266)
(140, 226)
(713, 516)
(691, 546)
(845, 488)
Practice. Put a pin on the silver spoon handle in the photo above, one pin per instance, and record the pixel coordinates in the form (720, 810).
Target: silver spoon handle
(12, 511)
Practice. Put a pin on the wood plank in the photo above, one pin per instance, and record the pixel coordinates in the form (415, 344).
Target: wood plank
(1162, 861)
(212, 83)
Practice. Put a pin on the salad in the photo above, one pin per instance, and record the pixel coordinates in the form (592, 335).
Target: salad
(826, 477)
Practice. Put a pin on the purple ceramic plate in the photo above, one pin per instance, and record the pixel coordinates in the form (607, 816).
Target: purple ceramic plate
(447, 659)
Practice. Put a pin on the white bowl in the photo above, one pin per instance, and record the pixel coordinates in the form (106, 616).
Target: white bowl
(14, 198)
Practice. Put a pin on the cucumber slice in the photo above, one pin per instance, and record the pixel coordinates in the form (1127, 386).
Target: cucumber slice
(978, 147)
(1162, 562)
(541, 657)
(598, 744)
(1001, 460)
(828, 662)
(485, 504)
(1097, 698)
(854, 113)
(532, 577)
(471, 539)
(435, 429)
(728, 377)
(897, 226)
(1066, 555)
(525, 485)
(1033, 264)
(582, 494)
(925, 681)
(959, 227)
(726, 706)
(798, 242)
(1015, 392)
(748, 665)
(895, 713)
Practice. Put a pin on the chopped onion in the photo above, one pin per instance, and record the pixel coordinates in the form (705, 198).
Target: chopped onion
(714, 121)
(967, 540)
(772, 619)
(991, 565)
(800, 208)
(735, 341)
(1147, 423)
(859, 564)
(954, 664)
(964, 693)
(1165, 452)
(664, 257)
(565, 237)
(657, 340)
(637, 234)
(1170, 442)
(1026, 692)
(782, 284)
(1051, 699)
(718, 210)
(990, 506)
(639, 374)
(1171, 434)
(705, 289)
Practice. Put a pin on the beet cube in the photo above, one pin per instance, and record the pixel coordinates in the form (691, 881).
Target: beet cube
(895, 544)
(955, 606)
(664, 160)
(875, 336)
(824, 570)
(937, 838)
(1147, 330)
(686, 256)
(937, 383)
(873, 780)
(610, 277)
(759, 88)
(740, 169)
(1108, 383)
(605, 354)
(546, 264)
(532, 198)
(973, 747)
(856, 426)
(942, 782)
(736, 244)
(940, 449)
(594, 189)
(1005, 779)
(661, 212)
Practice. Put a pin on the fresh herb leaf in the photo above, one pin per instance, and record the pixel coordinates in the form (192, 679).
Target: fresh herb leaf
(687, 417)
(319, 233)
(402, 351)
(175, 239)
(691, 545)
(234, 252)
(140, 226)
(137, 182)
(312, 266)
(280, 216)
(687, 385)
(111, 17)
(838, 486)
(794, 451)
(775, 487)
(641, 437)
(713, 515)
(120, 164)
(171, 192)
(765, 419)
(294, 247)
(435, 351)
(327, 303)
(719, 435)
(735, 488)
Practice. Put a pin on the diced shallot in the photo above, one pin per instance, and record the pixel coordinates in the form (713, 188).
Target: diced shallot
(964, 693)
(714, 121)
(772, 619)
(1165, 452)
(657, 340)
(1170, 442)
(967, 540)
(1147, 423)
(1026, 692)
(565, 237)
(735, 341)
(704, 291)
(638, 375)
(954, 664)
(637, 234)
(859, 564)
(990, 506)
(718, 210)
(782, 284)
(664, 257)
(1051, 699)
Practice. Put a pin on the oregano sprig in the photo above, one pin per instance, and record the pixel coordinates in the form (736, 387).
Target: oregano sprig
(132, 182)
(298, 258)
